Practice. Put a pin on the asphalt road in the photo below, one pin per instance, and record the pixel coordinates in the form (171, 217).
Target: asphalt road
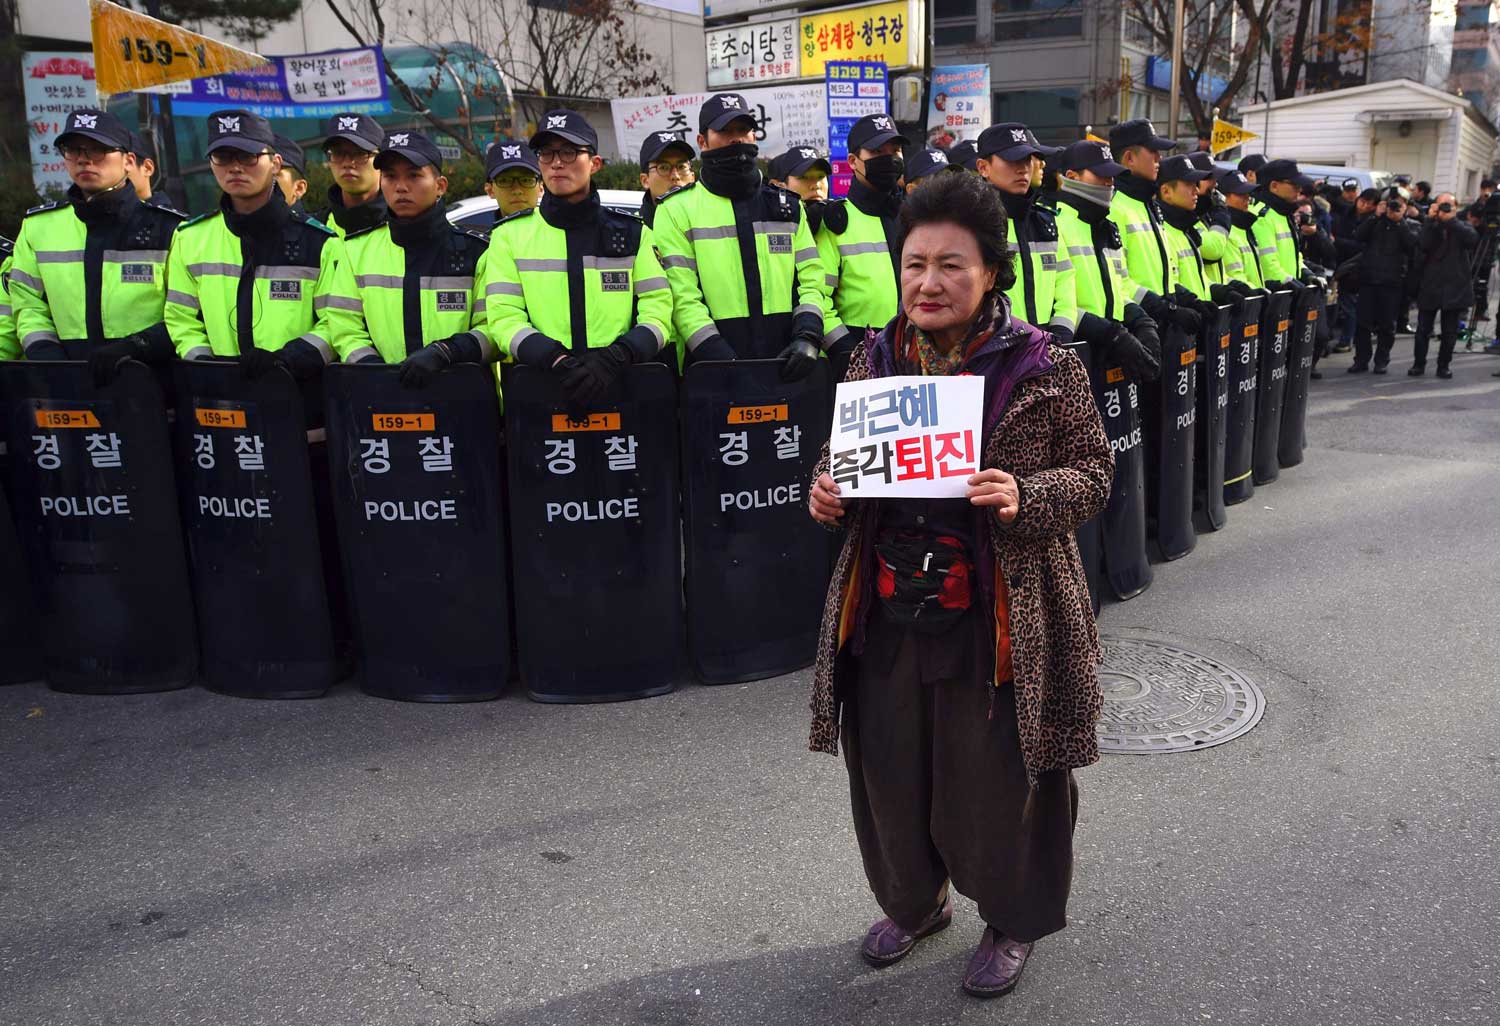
(193, 859)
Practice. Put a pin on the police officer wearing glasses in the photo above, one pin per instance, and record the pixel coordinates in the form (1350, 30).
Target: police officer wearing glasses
(354, 201)
(512, 178)
(88, 278)
(666, 164)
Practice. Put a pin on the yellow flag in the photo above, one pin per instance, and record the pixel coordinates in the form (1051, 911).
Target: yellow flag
(134, 51)
(1227, 136)
(1091, 137)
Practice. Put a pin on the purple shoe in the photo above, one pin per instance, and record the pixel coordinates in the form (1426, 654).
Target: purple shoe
(886, 943)
(996, 967)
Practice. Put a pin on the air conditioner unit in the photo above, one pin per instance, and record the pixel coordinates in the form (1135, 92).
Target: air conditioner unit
(906, 98)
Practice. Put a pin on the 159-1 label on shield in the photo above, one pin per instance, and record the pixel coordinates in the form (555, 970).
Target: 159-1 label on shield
(66, 419)
(757, 414)
(593, 422)
(219, 418)
(404, 421)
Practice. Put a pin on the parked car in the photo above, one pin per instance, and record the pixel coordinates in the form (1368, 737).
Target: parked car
(1334, 174)
(479, 211)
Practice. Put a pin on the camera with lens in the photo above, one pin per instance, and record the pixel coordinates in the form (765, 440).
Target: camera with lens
(1444, 208)
(1304, 218)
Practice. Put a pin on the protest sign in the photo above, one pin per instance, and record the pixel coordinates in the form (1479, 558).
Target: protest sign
(911, 437)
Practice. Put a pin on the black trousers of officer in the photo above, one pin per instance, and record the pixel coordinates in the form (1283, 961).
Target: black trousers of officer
(1376, 312)
(1447, 337)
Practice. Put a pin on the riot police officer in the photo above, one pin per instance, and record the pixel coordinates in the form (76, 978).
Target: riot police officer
(923, 164)
(10, 345)
(1241, 264)
(354, 200)
(414, 273)
(1043, 292)
(89, 274)
(858, 238)
(252, 279)
(144, 174)
(666, 164)
(1177, 182)
(1109, 317)
(803, 171)
(1275, 233)
(511, 178)
(292, 178)
(1213, 220)
(746, 277)
(574, 286)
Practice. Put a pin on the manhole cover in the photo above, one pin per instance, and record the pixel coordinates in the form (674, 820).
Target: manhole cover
(1160, 698)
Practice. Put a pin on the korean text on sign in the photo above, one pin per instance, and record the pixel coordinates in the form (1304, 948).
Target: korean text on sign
(911, 437)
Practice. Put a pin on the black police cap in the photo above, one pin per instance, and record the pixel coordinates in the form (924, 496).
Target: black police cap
(1282, 171)
(359, 129)
(99, 125)
(872, 132)
(1010, 140)
(964, 154)
(1234, 183)
(1137, 132)
(291, 154)
(798, 160)
(239, 130)
(721, 110)
(928, 161)
(1251, 163)
(142, 147)
(1180, 169)
(567, 125)
(657, 143)
(412, 146)
(502, 156)
(1091, 156)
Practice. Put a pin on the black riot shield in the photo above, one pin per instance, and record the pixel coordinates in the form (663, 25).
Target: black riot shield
(20, 658)
(1213, 413)
(595, 539)
(1270, 390)
(1304, 342)
(420, 509)
(1244, 373)
(1177, 406)
(247, 497)
(1122, 525)
(757, 564)
(96, 514)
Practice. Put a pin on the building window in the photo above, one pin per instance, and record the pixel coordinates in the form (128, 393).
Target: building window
(954, 22)
(1052, 114)
(1037, 19)
(1472, 16)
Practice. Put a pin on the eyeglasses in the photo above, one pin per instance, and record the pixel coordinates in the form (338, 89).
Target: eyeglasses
(563, 154)
(73, 151)
(515, 182)
(348, 155)
(228, 157)
(673, 170)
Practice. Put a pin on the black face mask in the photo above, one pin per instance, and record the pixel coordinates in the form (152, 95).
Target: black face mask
(730, 170)
(884, 171)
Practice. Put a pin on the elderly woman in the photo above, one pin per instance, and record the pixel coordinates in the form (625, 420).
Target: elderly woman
(958, 637)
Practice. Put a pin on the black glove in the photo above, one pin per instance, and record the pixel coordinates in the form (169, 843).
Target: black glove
(607, 364)
(257, 363)
(372, 357)
(105, 360)
(714, 348)
(1095, 330)
(422, 366)
(1228, 296)
(1132, 354)
(798, 359)
(1143, 329)
(580, 388)
(1186, 318)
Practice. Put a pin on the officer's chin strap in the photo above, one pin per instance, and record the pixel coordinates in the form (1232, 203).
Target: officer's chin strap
(90, 197)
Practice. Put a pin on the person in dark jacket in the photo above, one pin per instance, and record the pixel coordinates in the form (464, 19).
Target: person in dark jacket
(1444, 254)
(1312, 239)
(1388, 245)
(1346, 247)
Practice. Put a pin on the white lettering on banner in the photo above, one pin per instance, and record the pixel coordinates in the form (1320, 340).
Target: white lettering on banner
(763, 52)
(86, 505)
(787, 116)
(234, 509)
(56, 84)
(906, 436)
(594, 509)
(412, 509)
(762, 498)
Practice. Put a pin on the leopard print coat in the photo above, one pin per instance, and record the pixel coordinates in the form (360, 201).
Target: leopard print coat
(1051, 439)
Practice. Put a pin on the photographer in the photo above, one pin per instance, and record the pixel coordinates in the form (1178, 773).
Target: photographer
(1312, 238)
(1388, 245)
(1444, 253)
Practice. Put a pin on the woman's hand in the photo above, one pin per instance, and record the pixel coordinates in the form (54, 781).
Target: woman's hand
(824, 503)
(997, 490)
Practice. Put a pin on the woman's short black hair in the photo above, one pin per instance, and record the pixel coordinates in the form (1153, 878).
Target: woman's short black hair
(970, 202)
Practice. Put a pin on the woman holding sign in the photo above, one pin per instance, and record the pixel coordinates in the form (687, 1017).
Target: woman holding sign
(958, 652)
